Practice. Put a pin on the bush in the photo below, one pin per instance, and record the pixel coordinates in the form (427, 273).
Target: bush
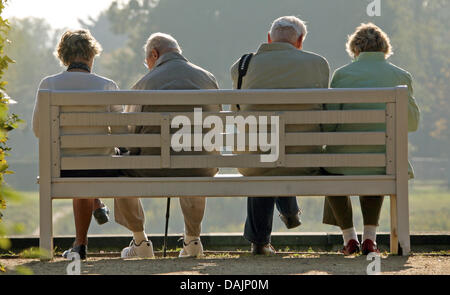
(8, 122)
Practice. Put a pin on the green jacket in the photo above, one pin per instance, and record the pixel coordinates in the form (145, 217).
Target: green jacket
(370, 69)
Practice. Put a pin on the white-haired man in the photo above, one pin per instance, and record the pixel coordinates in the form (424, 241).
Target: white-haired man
(280, 63)
(168, 70)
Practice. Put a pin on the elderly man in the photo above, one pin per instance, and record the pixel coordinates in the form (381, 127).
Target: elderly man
(168, 70)
(280, 63)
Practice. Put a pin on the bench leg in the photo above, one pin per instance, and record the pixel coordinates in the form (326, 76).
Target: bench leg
(45, 227)
(403, 223)
(394, 229)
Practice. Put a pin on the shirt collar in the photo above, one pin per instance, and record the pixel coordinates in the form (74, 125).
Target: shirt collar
(168, 57)
(276, 46)
(378, 56)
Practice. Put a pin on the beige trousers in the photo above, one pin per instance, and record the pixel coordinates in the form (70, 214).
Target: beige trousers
(129, 212)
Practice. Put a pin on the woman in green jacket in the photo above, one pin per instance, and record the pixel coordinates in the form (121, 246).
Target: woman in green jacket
(370, 48)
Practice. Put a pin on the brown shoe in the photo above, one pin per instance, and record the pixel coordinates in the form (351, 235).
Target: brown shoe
(263, 249)
(352, 247)
(369, 246)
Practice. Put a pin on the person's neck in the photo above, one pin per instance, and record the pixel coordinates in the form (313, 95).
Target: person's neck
(77, 71)
(80, 66)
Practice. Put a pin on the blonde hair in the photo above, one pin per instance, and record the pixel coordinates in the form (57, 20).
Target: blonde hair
(369, 38)
(79, 44)
(288, 29)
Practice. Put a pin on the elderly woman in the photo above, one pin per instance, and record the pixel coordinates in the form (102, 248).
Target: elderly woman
(76, 51)
(370, 48)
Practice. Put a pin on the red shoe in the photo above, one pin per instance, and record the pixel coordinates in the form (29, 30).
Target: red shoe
(351, 248)
(369, 246)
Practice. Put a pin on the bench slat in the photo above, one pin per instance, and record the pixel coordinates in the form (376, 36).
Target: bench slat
(304, 117)
(223, 187)
(106, 162)
(214, 97)
(335, 138)
(214, 161)
(290, 117)
(154, 140)
(109, 119)
(116, 140)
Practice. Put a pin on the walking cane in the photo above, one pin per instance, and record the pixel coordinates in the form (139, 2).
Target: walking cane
(167, 227)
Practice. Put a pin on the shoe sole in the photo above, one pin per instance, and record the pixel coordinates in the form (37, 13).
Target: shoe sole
(264, 254)
(293, 225)
(368, 252)
(288, 225)
(101, 221)
(191, 256)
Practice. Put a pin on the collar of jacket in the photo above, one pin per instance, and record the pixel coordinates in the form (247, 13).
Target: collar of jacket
(275, 46)
(374, 56)
(168, 57)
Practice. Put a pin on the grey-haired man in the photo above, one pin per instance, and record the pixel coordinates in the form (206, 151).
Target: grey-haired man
(169, 70)
(280, 63)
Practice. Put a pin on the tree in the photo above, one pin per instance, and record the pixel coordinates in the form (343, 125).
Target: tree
(131, 19)
(421, 41)
(7, 123)
(32, 46)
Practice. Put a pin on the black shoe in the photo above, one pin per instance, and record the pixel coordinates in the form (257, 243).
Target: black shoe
(101, 215)
(291, 221)
(80, 249)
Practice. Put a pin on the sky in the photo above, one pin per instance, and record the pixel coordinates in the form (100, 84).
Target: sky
(58, 13)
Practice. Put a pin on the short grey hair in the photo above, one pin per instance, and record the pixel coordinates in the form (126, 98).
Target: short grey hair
(288, 29)
(162, 43)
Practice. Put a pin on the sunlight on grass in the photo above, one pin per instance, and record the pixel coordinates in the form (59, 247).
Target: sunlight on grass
(429, 212)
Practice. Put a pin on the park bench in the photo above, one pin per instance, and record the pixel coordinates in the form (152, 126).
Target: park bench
(394, 183)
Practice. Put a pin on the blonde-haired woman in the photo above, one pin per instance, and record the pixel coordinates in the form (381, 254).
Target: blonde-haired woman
(370, 48)
(76, 51)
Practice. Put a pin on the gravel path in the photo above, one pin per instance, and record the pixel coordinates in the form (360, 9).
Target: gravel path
(223, 264)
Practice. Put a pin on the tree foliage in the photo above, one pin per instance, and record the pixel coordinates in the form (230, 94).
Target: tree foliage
(214, 33)
(132, 19)
(23, 79)
(422, 44)
(8, 122)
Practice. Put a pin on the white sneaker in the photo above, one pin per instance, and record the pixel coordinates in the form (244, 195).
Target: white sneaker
(143, 250)
(193, 248)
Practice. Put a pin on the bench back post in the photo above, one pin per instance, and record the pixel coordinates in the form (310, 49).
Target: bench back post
(45, 174)
(401, 156)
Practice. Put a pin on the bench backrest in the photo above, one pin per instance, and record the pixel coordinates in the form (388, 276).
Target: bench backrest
(53, 119)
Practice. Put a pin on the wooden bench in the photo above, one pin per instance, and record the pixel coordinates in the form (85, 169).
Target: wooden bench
(393, 184)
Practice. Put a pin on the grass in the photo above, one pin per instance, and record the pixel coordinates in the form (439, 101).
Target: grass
(429, 212)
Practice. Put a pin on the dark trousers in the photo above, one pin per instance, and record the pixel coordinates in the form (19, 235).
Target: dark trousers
(258, 226)
(338, 210)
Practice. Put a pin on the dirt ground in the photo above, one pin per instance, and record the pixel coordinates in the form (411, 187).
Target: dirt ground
(239, 263)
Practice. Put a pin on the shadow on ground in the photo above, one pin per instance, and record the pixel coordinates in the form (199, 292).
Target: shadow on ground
(240, 264)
